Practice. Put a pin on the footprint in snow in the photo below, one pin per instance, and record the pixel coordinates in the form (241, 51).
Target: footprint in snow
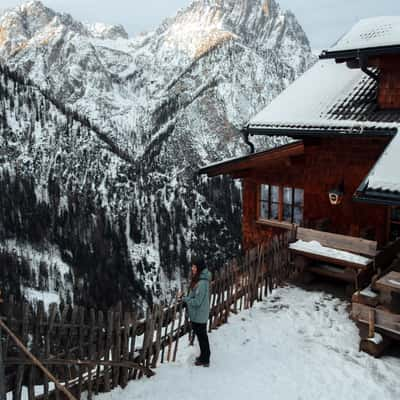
(275, 299)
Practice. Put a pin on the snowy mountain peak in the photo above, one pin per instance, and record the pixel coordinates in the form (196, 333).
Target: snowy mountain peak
(33, 20)
(258, 24)
(35, 7)
(105, 31)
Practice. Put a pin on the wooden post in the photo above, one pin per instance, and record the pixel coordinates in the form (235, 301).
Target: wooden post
(214, 287)
(125, 348)
(117, 345)
(50, 325)
(371, 320)
(3, 394)
(110, 321)
(91, 350)
(36, 361)
(150, 342)
(159, 322)
(100, 348)
(178, 331)
(132, 349)
(146, 339)
(167, 314)
(70, 335)
(170, 339)
(20, 370)
(81, 353)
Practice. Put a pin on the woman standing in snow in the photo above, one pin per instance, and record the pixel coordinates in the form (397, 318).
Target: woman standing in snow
(198, 303)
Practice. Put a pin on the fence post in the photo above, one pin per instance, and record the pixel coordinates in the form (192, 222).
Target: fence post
(3, 393)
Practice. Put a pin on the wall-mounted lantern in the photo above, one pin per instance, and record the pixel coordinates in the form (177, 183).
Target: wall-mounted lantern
(336, 194)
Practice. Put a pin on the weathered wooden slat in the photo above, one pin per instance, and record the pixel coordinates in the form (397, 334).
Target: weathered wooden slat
(150, 344)
(384, 320)
(116, 354)
(171, 334)
(146, 340)
(81, 352)
(60, 338)
(213, 304)
(110, 324)
(48, 337)
(91, 351)
(180, 310)
(39, 322)
(3, 393)
(160, 319)
(167, 314)
(100, 349)
(9, 318)
(132, 339)
(24, 336)
(70, 338)
(125, 348)
(389, 282)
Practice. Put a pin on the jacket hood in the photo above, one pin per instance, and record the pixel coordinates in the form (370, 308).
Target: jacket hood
(205, 274)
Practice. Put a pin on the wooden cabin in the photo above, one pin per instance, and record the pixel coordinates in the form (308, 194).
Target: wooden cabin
(338, 179)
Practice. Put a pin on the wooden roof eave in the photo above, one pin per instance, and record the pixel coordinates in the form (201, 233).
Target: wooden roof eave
(242, 166)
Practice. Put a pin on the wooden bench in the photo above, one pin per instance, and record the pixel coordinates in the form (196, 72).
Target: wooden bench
(341, 257)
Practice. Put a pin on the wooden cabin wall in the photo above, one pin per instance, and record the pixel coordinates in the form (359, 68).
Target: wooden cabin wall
(389, 81)
(325, 164)
(255, 232)
(330, 161)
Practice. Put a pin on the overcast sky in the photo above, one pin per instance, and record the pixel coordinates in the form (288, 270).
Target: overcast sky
(323, 20)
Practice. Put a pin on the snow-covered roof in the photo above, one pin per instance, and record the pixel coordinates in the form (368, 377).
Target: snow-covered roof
(370, 33)
(329, 97)
(383, 182)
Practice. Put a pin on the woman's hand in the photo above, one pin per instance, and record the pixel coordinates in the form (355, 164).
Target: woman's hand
(179, 295)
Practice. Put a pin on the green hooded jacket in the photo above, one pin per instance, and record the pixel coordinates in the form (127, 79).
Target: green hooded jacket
(198, 299)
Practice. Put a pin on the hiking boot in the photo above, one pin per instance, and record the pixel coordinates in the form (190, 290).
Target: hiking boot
(200, 363)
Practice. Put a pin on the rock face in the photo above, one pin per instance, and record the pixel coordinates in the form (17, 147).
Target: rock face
(158, 106)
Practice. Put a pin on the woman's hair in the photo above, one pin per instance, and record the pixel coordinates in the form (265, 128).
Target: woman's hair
(200, 264)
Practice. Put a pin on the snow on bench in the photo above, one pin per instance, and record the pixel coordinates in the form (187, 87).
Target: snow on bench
(315, 248)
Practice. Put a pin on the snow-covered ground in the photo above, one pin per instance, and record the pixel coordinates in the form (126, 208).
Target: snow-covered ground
(295, 345)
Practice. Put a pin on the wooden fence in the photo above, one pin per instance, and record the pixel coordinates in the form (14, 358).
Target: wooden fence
(91, 351)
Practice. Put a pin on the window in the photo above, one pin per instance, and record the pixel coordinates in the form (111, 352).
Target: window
(395, 223)
(281, 204)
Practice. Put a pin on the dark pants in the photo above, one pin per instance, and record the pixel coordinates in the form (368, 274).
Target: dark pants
(200, 330)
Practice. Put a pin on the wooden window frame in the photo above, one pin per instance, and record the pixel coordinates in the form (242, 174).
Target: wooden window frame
(280, 222)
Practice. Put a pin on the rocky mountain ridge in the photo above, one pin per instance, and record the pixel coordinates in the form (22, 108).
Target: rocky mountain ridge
(160, 105)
